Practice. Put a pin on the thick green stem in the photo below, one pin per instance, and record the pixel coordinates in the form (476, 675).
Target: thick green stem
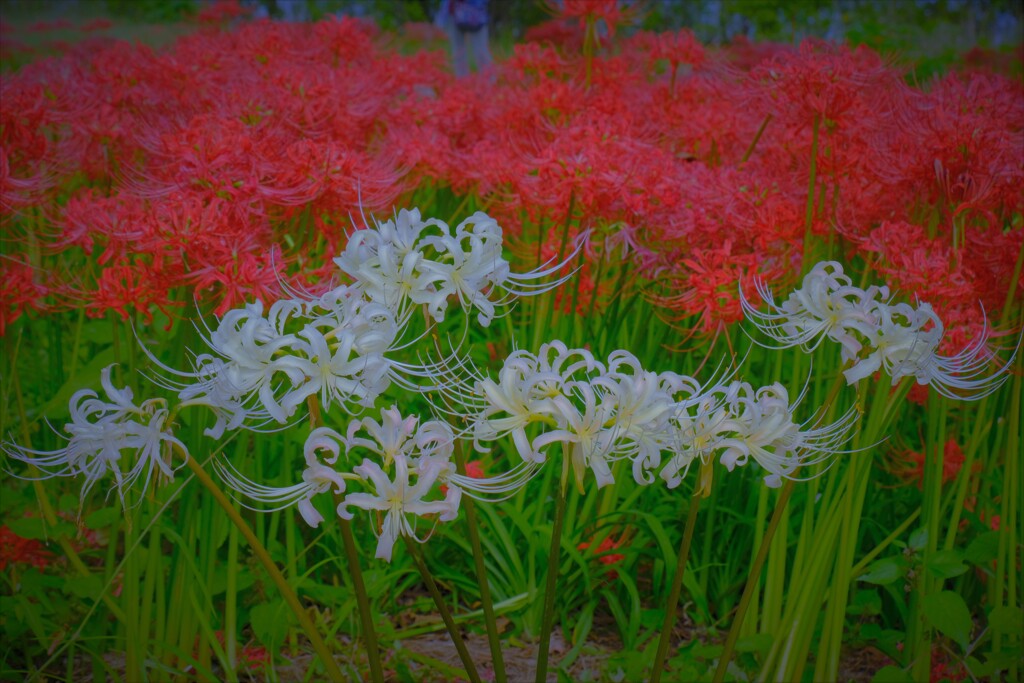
(752, 581)
(493, 637)
(333, 671)
(677, 584)
(554, 556)
(442, 608)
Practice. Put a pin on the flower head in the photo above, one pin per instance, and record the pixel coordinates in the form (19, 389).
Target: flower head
(873, 333)
(109, 436)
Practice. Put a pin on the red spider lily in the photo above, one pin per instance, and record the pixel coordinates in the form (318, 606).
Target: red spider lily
(611, 12)
(604, 554)
(122, 288)
(15, 550)
(909, 465)
(21, 291)
(221, 12)
(250, 656)
(474, 469)
(678, 47)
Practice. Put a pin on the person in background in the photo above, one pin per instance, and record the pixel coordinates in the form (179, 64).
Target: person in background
(466, 23)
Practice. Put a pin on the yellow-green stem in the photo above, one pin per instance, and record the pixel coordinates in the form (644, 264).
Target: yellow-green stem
(752, 581)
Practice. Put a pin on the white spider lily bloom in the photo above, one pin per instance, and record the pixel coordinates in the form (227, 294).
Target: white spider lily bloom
(761, 427)
(395, 435)
(696, 432)
(825, 305)
(965, 375)
(644, 403)
(114, 435)
(875, 334)
(408, 261)
(400, 498)
(337, 347)
(318, 477)
(525, 392)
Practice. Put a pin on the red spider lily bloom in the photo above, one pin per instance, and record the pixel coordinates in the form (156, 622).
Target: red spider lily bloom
(15, 550)
(21, 291)
(909, 465)
(604, 554)
(611, 12)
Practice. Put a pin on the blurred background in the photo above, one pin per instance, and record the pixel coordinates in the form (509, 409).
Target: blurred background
(928, 32)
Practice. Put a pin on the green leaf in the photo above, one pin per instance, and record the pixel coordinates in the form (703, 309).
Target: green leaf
(891, 674)
(918, 539)
(983, 549)
(759, 642)
(999, 661)
(84, 586)
(270, 623)
(866, 603)
(1006, 619)
(102, 518)
(945, 564)
(36, 529)
(885, 571)
(948, 613)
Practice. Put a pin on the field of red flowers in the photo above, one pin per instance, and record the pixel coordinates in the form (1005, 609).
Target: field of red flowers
(147, 196)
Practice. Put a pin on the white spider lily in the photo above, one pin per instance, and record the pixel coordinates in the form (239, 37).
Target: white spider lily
(761, 427)
(600, 413)
(337, 347)
(875, 334)
(695, 435)
(317, 478)
(114, 435)
(825, 305)
(399, 498)
(408, 261)
(420, 456)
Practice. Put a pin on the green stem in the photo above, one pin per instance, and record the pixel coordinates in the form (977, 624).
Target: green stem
(362, 601)
(673, 597)
(757, 138)
(552, 578)
(486, 602)
(333, 671)
(446, 615)
(752, 581)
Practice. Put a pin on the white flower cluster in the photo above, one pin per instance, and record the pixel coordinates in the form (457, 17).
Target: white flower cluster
(874, 334)
(411, 461)
(263, 368)
(112, 435)
(341, 346)
(739, 423)
(605, 412)
(408, 261)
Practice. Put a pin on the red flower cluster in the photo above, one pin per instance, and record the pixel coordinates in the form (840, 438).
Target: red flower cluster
(909, 465)
(15, 550)
(604, 554)
(223, 166)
